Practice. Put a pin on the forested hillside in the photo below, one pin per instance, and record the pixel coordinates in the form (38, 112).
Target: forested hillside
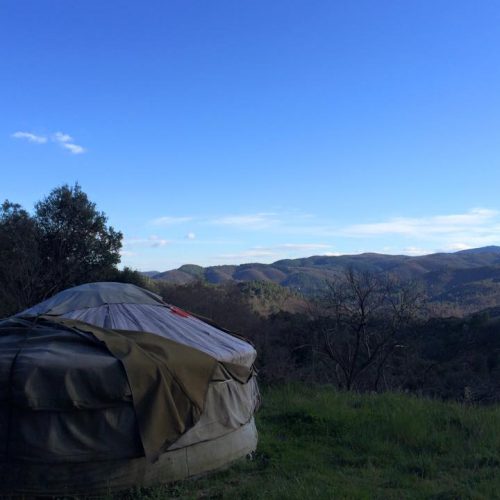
(456, 283)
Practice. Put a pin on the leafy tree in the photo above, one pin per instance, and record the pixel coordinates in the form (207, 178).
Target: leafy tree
(20, 263)
(65, 242)
(129, 275)
(76, 244)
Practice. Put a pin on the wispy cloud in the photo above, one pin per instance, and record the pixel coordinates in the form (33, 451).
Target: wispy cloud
(127, 253)
(255, 221)
(248, 221)
(276, 235)
(457, 246)
(28, 136)
(414, 251)
(168, 220)
(446, 233)
(74, 148)
(67, 142)
(276, 252)
(60, 137)
(152, 241)
(64, 140)
(476, 220)
(248, 254)
(304, 246)
(156, 241)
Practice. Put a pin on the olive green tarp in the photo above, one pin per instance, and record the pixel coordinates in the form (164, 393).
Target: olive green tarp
(165, 382)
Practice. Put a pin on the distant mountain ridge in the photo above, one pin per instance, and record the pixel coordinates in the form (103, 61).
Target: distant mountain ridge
(468, 278)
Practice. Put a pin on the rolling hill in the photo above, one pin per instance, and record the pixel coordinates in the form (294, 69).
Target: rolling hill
(468, 279)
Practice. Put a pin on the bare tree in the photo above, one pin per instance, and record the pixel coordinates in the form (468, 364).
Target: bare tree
(368, 312)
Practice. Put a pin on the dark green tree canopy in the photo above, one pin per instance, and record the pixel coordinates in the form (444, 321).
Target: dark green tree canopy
(77, 245)
(20, 263)
(66, 242)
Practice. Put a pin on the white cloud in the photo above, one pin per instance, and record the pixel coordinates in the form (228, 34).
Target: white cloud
(246, 254)
(476, 220)
(73, 148)
(170, 220)
(64, 140)
(156, 241)
(440, 233)
(60, 137)
(457, 246)
(277, 252)
(304, 246)
(250, 221)
(257, 221)
(37, 139)
(399, 235)
(127, 253)
(152, 241)
(414, 251)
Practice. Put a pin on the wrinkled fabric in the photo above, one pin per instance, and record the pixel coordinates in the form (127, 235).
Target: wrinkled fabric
(229, 405)
(113, 372)
(160, 319)
(45, 367)
(128, 307)
(167, 381)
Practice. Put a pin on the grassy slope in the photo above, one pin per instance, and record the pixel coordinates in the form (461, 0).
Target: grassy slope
(317, 443)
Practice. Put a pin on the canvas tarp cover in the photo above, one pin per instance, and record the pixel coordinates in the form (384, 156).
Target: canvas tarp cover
(93, 295)
(63, 367)
(128, 307)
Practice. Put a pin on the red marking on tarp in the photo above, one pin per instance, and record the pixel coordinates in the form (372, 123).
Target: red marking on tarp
(179, 312)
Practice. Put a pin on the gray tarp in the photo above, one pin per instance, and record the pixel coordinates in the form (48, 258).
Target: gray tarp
(128, 307)
(93, 295)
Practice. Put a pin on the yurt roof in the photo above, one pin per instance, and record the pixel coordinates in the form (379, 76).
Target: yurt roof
(123, 306)
(93, 295)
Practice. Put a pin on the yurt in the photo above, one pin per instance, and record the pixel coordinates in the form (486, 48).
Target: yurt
(105, 387)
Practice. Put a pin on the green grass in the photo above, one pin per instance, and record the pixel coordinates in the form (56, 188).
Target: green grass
(318, 443)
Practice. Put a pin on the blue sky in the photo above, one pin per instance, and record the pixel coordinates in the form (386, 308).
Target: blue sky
(217, 132)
